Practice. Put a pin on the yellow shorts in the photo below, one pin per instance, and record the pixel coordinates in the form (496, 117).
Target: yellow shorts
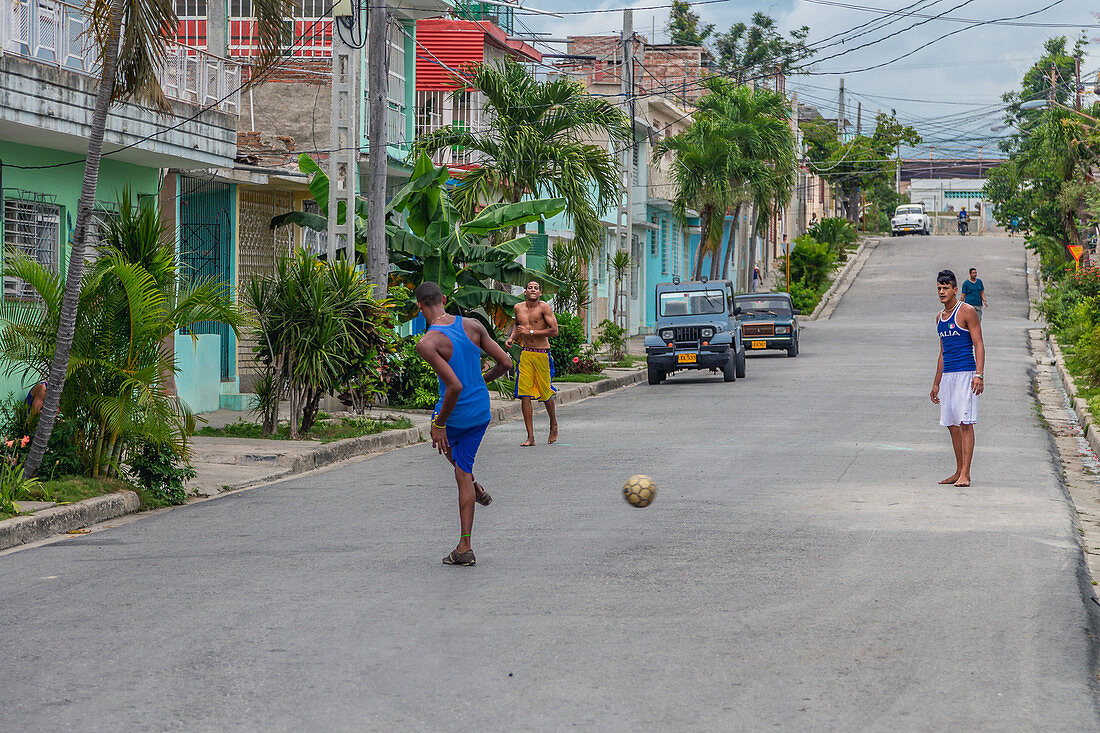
(534, 371)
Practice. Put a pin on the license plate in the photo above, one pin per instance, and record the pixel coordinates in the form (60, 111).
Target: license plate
(758, 345)
(685, 358)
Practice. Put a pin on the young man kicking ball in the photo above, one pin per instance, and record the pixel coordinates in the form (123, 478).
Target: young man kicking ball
(452, 345)
(535, 326)
(959, 373)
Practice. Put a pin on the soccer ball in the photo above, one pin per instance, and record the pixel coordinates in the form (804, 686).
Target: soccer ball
(639, 491)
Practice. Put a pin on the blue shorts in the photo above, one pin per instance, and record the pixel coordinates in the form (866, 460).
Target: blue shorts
(464, 444)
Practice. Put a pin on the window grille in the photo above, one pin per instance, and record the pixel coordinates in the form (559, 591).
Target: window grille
(665, 232)
(314, 241)
(602, 262)
(32, 225)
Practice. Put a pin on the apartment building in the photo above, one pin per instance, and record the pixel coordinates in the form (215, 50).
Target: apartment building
(47, 92)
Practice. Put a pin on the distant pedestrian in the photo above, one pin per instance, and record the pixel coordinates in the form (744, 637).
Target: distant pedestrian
(959, 373)
(1013, 226)
(452, 345)
(974, 292)
(813, 220)
(755, 277)
(535, 325)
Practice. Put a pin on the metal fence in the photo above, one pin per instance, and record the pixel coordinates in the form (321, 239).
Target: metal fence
(60, 34)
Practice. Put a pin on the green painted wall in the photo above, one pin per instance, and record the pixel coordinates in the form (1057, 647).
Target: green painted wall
(197, 359)
(64, 183)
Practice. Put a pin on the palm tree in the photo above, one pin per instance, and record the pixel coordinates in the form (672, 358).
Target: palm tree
(129, 302)
(131, 39)
(758, 145)
(537, 142)
(701, 174)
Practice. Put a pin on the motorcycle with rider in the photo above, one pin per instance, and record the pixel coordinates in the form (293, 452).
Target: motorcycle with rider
(964, 221)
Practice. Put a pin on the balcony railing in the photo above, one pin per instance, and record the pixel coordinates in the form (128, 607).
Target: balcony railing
(59, 34)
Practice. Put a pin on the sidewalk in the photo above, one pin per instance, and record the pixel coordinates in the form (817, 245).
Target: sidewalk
(225, 464)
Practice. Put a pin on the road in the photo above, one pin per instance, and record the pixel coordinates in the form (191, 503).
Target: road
(800, 569)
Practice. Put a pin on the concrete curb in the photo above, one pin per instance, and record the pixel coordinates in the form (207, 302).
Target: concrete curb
(1080, 407)
(59, 519)
(844, 280)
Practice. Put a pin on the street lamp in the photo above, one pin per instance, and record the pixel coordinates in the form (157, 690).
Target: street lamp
(1044, 103)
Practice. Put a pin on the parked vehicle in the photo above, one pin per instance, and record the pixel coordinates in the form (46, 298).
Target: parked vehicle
(768, 322)
(697, 328)
(910, 219)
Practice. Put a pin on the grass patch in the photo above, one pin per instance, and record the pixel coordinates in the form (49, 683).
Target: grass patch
(580, 377)
(345, 427)
(77, 488)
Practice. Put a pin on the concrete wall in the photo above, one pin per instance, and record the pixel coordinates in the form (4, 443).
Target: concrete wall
(198, 381)
(50, 107)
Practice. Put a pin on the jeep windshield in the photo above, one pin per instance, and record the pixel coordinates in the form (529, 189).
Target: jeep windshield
(692, 303)
(764, 306)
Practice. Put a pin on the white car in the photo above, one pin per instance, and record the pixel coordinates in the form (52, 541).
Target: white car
(910, 219)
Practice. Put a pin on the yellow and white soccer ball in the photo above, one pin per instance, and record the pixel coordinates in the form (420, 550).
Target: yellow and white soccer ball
(639, 491)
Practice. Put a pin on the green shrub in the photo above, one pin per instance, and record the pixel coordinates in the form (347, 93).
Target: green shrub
(804, 298)
(836, 233)
(63, 449)
(567, 344)
(613, 336)
(411, 382)
(811, 262)
(160, 471)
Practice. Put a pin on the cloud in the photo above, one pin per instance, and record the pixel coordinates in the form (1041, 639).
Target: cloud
(957, 82)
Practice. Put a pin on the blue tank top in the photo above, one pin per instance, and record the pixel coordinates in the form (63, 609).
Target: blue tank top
(958, 347)
(473, 401)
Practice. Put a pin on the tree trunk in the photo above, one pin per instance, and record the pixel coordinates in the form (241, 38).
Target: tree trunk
(67, 322)
(294, 401)
(704, 235)
(731, 244)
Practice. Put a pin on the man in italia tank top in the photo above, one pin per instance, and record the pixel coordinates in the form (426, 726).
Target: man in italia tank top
(960, 374)
(452, 345)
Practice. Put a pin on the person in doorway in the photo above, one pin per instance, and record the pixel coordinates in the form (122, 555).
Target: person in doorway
(755, 277)
(974, 292)
(959, 373)
(452, 345)
(813, 220)
(535, 326)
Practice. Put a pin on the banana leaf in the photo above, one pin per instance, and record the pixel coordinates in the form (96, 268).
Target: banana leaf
(495, 217)
(305, 219)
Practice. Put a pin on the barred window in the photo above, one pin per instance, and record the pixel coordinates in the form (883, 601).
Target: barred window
(33, 227)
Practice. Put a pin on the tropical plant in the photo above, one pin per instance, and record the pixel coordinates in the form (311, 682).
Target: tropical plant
(319, 331)
(620, 264)
(131, 301)
(613, 336)
(540, 138)
(131, 40)
(410, 380)
(811, 262)
(837, 233)
(571, 270)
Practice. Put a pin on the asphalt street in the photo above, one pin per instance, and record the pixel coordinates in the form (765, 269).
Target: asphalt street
(800, 569)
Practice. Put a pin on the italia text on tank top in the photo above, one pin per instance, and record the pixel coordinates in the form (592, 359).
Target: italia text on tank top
(958, 347)
(473, 401)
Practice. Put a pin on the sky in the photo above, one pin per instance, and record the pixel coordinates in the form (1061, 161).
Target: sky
(949, 90)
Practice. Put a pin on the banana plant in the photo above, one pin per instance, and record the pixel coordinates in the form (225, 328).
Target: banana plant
(464, 257)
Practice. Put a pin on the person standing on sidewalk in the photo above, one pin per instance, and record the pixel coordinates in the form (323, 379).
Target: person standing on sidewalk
(974, 292)
(959, 373)
(535, 326)
(452, 345)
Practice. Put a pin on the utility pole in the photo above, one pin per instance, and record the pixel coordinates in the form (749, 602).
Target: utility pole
(1053, 81)
(859, 118)
(840, 113)
(378, 62)
(1077, 84)
(344, 125)
(624, 232)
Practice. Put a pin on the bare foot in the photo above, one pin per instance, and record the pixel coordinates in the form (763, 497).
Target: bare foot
(951, 479)
(527, 443)
(553, 434)
(963, 482)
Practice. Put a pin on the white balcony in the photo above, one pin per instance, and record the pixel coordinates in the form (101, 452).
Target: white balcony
(437, 109)
(57, 34)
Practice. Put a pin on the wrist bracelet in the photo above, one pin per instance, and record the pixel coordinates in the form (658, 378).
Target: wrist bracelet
(438, 425)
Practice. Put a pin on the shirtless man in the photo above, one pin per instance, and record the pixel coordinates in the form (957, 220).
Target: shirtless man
(535, 325)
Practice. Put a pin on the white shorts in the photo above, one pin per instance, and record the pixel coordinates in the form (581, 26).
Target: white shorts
(958, 403)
